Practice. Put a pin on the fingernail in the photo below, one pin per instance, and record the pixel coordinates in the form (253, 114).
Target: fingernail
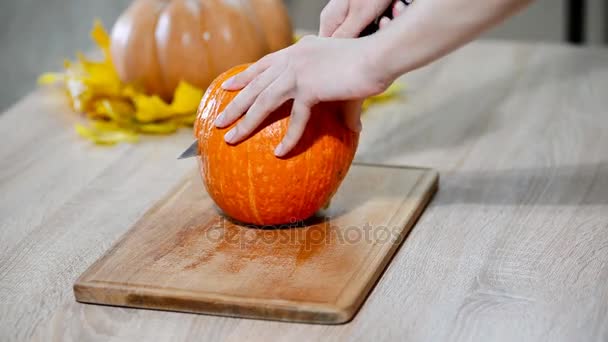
(228, 83)
(359, 126)
(278, 151)
(219, 121)
(399, 7)
(229, 137)
(383, 22)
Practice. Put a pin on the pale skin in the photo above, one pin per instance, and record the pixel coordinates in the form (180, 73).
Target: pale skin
(337, 66)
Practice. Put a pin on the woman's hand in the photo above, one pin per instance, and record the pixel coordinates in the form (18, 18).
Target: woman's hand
(347, 18)
(313, 70)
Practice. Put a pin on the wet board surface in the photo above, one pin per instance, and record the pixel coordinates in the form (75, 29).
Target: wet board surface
(183, 255)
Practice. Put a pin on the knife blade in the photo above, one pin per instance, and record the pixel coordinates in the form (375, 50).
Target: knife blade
(193, 151)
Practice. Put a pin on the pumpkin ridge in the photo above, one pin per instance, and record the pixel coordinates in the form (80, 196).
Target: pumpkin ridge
(251, 190)
(307, 156)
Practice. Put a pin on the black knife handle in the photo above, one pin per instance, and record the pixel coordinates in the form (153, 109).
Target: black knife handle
(374, 26)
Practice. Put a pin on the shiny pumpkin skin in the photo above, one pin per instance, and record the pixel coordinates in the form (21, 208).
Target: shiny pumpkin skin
(158, 43)
(253, 186)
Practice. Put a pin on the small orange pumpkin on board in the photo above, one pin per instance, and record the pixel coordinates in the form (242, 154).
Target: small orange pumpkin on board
(158, 43)
(253, 186)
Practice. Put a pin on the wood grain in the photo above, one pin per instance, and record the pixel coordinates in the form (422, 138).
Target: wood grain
(513, 247)
(183, 256)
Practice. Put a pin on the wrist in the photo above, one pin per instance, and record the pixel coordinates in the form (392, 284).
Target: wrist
(377, 63)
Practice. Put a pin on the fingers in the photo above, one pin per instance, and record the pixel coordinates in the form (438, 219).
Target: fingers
(350, 28)
(239, 105)
(398, 8)
(332, 16)
(352, 115)
(267, 102)
(241, 80)
(384, 22)
(300, 114)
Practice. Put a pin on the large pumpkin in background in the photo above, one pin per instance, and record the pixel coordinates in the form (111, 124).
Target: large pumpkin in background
(253, 186)
(157, 43)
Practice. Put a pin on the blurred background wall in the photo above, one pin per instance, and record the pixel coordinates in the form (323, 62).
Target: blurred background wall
(36, 35)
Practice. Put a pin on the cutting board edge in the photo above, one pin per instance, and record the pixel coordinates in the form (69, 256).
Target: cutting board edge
(427, 187)
(94, 292)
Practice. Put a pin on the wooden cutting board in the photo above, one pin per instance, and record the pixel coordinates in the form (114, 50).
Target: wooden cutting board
(182, 255)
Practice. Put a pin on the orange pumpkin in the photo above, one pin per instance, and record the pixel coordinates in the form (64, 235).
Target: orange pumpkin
(253, 186)
(157, 43)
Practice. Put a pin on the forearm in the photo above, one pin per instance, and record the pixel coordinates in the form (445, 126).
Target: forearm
(431, 29)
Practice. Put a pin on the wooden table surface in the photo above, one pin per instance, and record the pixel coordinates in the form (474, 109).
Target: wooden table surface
(514, 246)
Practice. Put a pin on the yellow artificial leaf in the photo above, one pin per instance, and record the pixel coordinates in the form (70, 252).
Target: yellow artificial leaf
(102, 125)
(166, 127)
(130, 90)
(119, 110)
(186, 98)
(151, 108)
(100, 77)
(78, 94)
(94, 115)
(101, 134)
(101, 37)
(50, 78)
(392, 92)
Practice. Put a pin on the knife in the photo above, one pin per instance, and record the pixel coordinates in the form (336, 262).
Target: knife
(193, 151)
